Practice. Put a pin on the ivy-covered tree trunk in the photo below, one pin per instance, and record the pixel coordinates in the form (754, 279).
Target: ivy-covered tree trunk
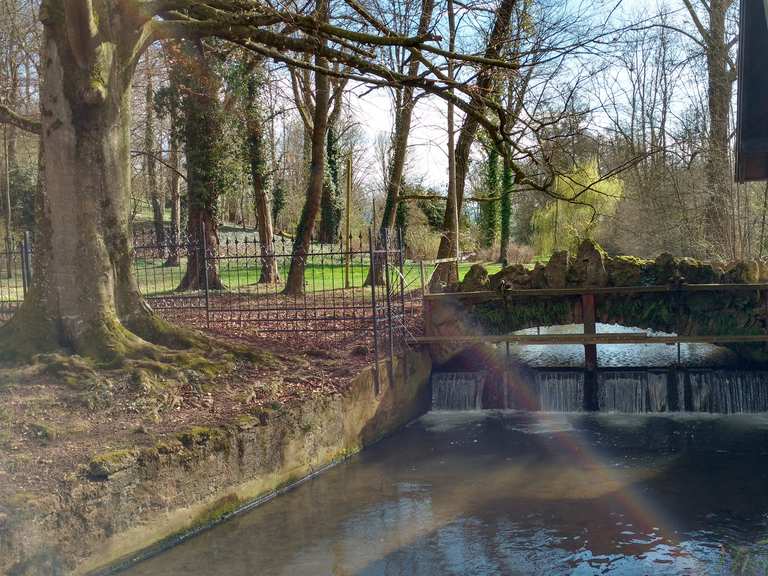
(507, 186)
(257, 156)
(85, 296)
(174, 185)
(205, 150)
(151, 165)
(489, 213)
(331, 206)
(167, 102)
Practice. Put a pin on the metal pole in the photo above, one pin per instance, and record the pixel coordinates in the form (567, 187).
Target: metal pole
(347, 233)
(401, 263)
(8, 222)
(23, 250)
(375, 319)
(204, 244)
(388, 285)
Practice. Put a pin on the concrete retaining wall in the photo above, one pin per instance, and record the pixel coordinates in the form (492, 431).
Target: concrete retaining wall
(134, 501)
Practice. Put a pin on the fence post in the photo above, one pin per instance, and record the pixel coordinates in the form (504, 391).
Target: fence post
(24, 277)
(372, 251)
(401, 264)
(28, 252)
(388, 285)
(204, 260)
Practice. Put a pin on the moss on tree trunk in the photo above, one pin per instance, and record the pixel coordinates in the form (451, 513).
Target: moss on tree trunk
(85, 297)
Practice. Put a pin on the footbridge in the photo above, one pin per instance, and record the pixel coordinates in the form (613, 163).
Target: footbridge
(686, 300)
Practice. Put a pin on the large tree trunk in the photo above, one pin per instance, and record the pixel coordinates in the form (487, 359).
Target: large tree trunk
(203, 138)
(174, 185)
(257, 151)
(155, 196)
(719, 212)
(85, 296)
(295, 283)
(331, 205)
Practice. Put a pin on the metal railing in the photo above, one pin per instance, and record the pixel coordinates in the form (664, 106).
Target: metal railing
(231, 294)
(241, 287)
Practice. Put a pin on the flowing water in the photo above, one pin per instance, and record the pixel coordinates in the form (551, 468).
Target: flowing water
(458, 390)
(654, 483)
(506, 493)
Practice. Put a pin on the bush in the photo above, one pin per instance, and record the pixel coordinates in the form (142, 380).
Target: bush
(421, 242)
(520, 254)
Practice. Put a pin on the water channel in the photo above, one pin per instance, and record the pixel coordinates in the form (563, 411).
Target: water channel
(506, 492)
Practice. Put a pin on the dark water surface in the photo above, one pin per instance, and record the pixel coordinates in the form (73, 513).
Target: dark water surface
(513, 493)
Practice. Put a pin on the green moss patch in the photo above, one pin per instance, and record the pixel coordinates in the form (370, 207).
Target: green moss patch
(223, 507)
(104, 465)
(203, 436)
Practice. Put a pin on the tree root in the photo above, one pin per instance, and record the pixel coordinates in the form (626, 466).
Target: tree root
(143, 342)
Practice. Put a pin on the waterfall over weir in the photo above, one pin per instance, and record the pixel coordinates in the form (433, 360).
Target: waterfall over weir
(458, 390)
(632, 391)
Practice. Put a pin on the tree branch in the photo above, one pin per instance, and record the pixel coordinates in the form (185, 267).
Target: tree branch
(8, 116)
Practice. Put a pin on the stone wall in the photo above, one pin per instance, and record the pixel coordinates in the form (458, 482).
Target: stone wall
(478, 305)
(133, 501)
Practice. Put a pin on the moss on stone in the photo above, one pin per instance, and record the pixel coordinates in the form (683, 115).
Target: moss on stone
(223, 507)
(497, 318)
(628, 271)
(475, 280)
(247, 421)
(104, 465)
(204, 436)
(169, 446)
(695, 272)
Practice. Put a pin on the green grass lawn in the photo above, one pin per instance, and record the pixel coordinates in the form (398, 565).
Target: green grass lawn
(238, 275)
(243, 274)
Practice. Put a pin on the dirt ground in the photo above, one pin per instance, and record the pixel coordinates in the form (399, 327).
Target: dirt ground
(50, 427)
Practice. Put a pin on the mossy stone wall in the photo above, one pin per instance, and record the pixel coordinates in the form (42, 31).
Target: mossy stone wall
(134, 500)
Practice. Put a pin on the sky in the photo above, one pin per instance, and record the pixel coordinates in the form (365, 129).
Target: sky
(428, 143)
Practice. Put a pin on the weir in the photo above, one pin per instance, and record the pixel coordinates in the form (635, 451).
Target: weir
(630, 391)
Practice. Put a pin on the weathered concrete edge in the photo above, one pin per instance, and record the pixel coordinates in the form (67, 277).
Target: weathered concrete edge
(403, 395)
(180, 489)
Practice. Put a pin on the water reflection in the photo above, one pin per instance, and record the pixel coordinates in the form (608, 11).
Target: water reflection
(617, 355)
(512, 493)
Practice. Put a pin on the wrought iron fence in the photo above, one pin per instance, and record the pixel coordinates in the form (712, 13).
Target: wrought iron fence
(15, 274)
(235, 291)
(232, 292)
